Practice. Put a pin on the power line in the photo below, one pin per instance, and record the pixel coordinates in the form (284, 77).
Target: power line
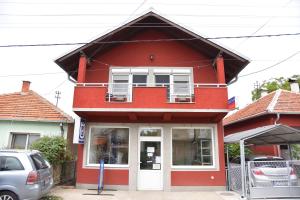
(274, 65)
(157, 40)
(118, 14)
(132, 3)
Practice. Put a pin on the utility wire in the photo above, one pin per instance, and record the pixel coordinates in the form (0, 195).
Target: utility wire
(131, 3)
(118, 14)
(263, 25)
(274, 65)
(157, 40)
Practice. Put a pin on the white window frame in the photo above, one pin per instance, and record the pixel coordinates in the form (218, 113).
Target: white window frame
(214, 154)
(27, 138)
(87, 160)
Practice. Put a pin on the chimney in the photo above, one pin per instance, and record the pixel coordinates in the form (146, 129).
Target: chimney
(294, 85)
(25, 86)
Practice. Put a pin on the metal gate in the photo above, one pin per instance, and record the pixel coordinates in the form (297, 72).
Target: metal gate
(273, 179)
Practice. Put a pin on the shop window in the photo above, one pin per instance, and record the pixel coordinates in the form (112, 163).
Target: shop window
(23, 140)
(192, 147)
(110, 144)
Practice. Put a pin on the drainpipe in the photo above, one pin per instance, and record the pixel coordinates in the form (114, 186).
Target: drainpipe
(277, 118)
(71, 79)
(233, 81)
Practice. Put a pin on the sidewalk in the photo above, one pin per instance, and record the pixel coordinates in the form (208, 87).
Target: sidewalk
(78, 194)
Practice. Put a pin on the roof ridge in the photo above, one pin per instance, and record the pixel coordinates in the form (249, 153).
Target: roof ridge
(69, 118)
(274, 101)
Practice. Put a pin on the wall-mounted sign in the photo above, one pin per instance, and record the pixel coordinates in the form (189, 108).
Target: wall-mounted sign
(81, 131)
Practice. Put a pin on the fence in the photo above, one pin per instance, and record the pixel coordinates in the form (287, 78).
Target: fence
(273, 179)
(68, 173)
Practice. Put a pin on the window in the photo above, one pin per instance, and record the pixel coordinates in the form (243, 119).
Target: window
(181, 84)
(39, 161)
(192, 147)
(23, 140)
(110, 144)
(8, 163)
(120, 84)
(139, 80)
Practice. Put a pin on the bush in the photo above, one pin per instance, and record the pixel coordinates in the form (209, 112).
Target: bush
(234, 150)
(53, 148)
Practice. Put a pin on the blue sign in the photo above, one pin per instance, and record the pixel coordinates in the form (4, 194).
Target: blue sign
(81, 131)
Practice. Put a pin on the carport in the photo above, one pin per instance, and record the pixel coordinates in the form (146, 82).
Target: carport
(267, 135)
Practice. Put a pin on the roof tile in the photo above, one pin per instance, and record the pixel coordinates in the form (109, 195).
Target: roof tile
(30, 106)
(287, 102)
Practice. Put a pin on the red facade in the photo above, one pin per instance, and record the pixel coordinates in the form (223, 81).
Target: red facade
(150, 103)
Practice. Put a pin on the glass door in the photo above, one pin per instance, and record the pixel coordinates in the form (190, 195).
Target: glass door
(150, 176)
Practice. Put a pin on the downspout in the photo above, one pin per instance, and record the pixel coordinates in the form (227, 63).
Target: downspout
(71, 79)
(233, 81)
(277, 118)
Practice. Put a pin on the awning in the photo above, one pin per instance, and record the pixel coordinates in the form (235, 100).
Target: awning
(272, 134)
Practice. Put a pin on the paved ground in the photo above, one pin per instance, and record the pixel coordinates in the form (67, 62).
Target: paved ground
(78, 194)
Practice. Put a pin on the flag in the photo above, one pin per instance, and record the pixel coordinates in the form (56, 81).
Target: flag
(231, 103)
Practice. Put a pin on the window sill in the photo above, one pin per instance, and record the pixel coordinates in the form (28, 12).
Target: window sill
(194, 168)
(106, 166)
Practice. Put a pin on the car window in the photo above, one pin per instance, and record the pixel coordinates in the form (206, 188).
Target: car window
(9, 163)
(39, 161)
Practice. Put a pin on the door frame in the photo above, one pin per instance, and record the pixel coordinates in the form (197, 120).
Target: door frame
(150, 139)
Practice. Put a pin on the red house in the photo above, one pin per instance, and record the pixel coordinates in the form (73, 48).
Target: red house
(279, 107)
(153, 95)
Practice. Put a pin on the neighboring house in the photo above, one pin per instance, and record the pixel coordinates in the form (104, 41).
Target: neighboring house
(25, 116)
(278, 107)
(153, 110)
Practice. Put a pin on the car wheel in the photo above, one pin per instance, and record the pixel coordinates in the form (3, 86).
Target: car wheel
(8, 196)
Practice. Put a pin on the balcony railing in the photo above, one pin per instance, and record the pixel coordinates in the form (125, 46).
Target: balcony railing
(175, 93)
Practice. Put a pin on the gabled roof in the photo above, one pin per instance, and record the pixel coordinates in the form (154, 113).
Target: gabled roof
(29, 106)
(234, 62)
(280, 101)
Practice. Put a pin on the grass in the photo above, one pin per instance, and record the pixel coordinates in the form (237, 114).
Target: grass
(51, 197)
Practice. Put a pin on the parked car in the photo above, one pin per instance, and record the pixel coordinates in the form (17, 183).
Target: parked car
(24, 175)
(269, 171)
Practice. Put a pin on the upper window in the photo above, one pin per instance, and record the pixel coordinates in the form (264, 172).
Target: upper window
(192, 147)
(120, 84)
(9, 163)
(23, 140)
(181, 85)
(110, 144)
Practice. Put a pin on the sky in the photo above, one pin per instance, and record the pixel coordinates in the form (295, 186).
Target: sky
(67, 21)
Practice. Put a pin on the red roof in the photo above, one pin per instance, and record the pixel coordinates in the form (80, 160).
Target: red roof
(280, 101)
(29, 106)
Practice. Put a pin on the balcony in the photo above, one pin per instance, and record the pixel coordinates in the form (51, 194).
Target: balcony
(92, 99)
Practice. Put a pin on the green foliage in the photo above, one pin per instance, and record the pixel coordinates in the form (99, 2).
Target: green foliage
(272, 85)
(234, 150)
(53, 148)
(296, 151)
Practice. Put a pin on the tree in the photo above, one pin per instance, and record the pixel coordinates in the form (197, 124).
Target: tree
(272, 85)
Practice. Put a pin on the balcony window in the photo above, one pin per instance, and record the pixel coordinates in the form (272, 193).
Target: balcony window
(139, 80)
(192, 147)
(110, 144)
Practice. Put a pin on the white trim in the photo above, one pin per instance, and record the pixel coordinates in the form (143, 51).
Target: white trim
(215, 150)
(87, 160)
(150, 139)
(273, 103)
(162, 70)
(148, 110)
(120, 70)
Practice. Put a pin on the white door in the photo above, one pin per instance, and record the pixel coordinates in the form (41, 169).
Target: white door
(150, 172)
